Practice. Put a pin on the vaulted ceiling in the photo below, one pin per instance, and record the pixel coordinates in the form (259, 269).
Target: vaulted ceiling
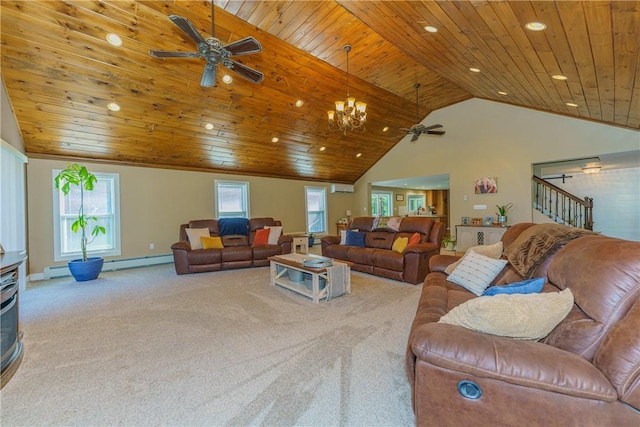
(60, 74)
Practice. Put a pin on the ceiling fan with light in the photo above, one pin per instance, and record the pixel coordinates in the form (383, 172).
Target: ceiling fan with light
(214, 52)
(419, 129)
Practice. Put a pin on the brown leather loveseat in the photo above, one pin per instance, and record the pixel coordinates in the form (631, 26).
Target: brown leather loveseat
(377, 256)
(585, 372)
(237, 251)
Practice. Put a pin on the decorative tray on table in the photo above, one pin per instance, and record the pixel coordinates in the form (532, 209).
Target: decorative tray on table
(319, 262)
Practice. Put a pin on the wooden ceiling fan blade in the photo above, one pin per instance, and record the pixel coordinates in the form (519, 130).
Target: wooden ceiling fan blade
(246, 46)
(165, 54)
(248, 73)
(185, 25)
(436, 126)
(208, 76)
(435, 132)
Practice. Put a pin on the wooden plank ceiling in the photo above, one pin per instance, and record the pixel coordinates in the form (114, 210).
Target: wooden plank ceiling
(60, 74)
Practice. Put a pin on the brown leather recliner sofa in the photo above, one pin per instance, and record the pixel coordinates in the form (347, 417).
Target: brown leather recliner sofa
(378, 257)
(586, 372)
(237, 252)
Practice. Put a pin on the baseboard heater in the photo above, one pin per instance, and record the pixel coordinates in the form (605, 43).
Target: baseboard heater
(109, 265)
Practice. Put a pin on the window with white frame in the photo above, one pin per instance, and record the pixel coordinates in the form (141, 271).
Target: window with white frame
(316, 207)
(103, 203)
(232, 199)
(381, 203)
(415, 202)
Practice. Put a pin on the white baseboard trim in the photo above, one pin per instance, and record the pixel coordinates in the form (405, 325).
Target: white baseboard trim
(109, 265)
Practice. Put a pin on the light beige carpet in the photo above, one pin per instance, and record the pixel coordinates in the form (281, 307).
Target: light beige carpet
(146, 347)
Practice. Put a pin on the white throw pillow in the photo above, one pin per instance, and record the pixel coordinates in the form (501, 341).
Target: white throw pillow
(343, 235)
(476, 272)
(194, 235)
(521, 316)
(492, 251)
(274, 233)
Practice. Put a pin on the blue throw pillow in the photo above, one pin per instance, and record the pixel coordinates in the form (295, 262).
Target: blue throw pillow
(531, 286)
(355, 238)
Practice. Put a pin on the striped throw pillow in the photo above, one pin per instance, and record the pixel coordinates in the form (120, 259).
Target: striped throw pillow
(476, 272)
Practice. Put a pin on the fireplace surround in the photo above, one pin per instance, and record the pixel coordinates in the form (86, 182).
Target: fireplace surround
(10, 337)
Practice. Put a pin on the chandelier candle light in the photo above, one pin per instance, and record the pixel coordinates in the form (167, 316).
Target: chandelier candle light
(349, 115)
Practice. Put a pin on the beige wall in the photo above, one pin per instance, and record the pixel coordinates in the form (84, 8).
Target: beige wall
(483, 139)
(487, 138)
(154, 202)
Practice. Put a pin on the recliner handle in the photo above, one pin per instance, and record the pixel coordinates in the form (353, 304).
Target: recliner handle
(469, 390)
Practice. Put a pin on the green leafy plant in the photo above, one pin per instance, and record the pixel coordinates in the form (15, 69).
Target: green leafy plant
(502, 210)
(449, 242)
(76, 175)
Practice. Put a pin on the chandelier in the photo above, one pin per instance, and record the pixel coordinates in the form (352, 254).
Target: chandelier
(349, 115)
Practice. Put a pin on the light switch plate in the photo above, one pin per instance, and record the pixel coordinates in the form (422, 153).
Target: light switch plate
(479, 207)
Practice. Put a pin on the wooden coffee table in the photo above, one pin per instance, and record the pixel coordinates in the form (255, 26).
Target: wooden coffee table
(280, 265)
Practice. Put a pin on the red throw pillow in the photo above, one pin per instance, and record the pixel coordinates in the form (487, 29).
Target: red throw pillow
(261, 237)
(414, 239)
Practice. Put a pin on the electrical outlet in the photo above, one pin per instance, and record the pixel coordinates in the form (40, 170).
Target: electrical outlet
(152, 246)
(466, 197)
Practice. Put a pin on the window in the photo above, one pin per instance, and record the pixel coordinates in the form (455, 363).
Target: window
(232, 199)
(316, 202)
(381, 203)
(103, 203)
(415, 202)
(13, 227)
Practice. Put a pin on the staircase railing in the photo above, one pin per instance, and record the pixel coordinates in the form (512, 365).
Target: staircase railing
(562, 206)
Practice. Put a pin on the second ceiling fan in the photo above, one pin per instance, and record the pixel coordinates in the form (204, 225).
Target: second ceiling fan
(214, 52)
(419, 129)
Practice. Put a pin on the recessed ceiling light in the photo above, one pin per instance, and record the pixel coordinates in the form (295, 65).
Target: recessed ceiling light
(571, 104)
(431, 29)
(208, 126)
(275, 139)
(535, 26)
(502, 92)
(299, 103)
(114, 39)
(359, 155)
(113, 106)
(227, 79)
(385, 129)
(474, 70)
(559, 77)
(323, 148)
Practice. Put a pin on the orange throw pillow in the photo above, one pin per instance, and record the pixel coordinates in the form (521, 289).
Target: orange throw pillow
(415, 239)
(261, 237)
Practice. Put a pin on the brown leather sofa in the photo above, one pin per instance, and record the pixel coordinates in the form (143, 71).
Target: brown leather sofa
(586, 372)
(377, 257)
(238, 251)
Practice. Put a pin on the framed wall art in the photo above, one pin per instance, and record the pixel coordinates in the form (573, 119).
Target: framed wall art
(486, 185)
(399, 197)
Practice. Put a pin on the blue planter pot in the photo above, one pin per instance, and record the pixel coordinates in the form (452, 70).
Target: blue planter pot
(86, 270)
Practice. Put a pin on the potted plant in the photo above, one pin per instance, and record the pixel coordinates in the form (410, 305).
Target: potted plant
(502, 213)
(77, 176)
(449, 242)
